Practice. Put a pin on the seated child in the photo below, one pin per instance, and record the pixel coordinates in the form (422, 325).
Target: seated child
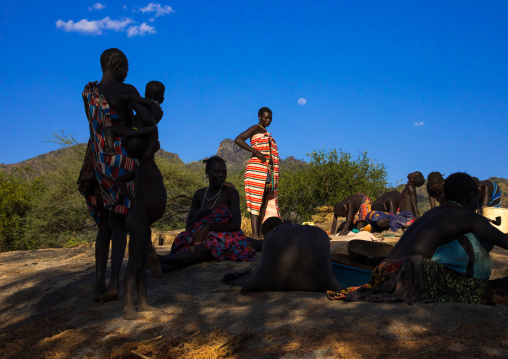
(154, 96)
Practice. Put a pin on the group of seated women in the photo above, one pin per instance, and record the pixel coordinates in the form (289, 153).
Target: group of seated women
(443, 256)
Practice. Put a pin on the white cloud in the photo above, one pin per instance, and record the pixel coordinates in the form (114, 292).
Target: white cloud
(157, 8)
(140, 30)
(151, 19)
(93, 27)
(124, 7)
(418, 124)
(302, 101)
(96, 6)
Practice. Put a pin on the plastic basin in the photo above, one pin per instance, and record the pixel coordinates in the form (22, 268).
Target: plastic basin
(350, 276)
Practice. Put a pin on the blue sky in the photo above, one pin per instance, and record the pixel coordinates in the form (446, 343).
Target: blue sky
(419, 85)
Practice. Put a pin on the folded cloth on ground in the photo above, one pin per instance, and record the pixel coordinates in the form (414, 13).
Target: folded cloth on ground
(402, 220)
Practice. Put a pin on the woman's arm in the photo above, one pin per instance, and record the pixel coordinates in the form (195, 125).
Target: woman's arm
(242, 137)
(485, 196)
(432, 200)
(152, 106)
(122, 180)
(486, 231)
(195, 211)
(412, 197)
(145, 131)
(349, 218)
(233, 202)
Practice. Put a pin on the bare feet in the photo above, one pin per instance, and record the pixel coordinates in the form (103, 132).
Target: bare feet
(110, 294)
(98, 292)
(131, 314)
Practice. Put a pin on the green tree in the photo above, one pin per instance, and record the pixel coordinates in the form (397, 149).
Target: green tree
(329, 177)
(180, 183)
(16, 196)
(58, 216)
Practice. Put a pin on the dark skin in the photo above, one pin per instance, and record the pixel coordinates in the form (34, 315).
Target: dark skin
(388, 201)
(112, 88)
(435, 192)
(441, 225)
(264, 121)
(408, 200)
(347, 208)
(137, 122)
(200, 208)
(149, 206)
(485, 188)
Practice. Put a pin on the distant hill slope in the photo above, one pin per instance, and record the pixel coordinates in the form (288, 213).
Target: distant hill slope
(49, 162)
(236, 158)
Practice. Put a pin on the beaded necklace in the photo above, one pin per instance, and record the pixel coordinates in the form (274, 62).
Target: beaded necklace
(209, 199)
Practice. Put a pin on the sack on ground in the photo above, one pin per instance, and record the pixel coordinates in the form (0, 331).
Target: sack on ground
(294, 258)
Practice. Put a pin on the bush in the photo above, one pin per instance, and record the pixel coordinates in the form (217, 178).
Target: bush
(328, 178)
(16, 196)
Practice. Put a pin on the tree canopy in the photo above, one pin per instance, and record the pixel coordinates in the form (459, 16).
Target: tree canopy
(329, 177)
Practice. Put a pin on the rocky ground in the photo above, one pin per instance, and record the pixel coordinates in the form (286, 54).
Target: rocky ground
(46, 311)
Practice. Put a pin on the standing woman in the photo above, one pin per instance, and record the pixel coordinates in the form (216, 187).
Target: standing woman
(262, 172)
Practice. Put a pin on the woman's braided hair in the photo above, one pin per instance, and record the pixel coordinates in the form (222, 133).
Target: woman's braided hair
(208, 161)
(112, 58)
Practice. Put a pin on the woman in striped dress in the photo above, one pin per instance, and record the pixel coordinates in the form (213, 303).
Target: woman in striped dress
(262, 172)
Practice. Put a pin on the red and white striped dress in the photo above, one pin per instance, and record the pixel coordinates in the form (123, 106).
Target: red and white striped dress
(256, 173)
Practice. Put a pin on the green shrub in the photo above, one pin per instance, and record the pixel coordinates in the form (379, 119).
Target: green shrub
(329, 177)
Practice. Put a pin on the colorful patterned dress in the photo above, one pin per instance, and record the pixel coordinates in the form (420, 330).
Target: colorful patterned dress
(397, 220)
(364, 209)
(99, 167)
(222, 245)
(415, 279)
(256, 174)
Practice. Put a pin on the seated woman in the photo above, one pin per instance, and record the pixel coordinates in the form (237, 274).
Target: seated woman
(442, 257)
(213, 225)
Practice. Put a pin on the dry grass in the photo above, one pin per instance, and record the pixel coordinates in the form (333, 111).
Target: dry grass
(246, 226)
(214, 345)
(323, 214)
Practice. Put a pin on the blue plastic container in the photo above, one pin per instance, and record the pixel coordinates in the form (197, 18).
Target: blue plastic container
(350, 276)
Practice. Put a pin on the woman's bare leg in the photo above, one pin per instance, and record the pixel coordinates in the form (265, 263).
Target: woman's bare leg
(196, 254)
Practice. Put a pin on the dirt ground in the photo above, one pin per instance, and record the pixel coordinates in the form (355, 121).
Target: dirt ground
(46, 311)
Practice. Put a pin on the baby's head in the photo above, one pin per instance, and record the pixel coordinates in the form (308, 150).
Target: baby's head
(155, 91)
